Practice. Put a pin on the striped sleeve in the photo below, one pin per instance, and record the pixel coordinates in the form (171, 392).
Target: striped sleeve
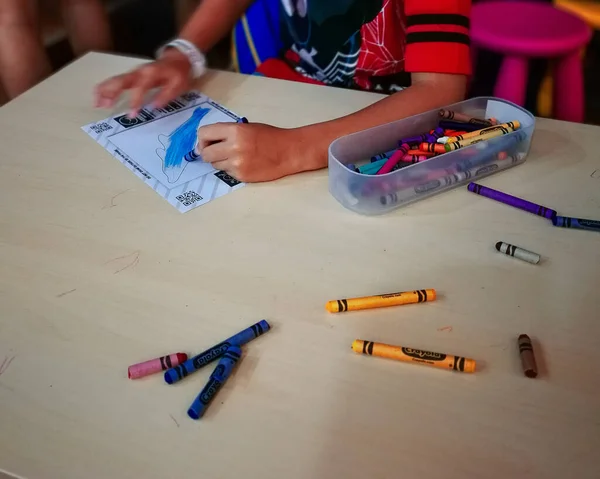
(437, 36)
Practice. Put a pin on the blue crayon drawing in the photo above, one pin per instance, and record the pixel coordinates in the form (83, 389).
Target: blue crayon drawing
(179, 142)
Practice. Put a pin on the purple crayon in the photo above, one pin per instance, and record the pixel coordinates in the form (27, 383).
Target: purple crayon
(459, 126)
(414, 139)
(512, 201)
(437, 133)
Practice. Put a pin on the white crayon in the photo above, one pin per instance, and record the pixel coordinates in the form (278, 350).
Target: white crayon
(516, 252)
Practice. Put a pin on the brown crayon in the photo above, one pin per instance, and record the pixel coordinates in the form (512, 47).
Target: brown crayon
(527, 356)
(456, 116)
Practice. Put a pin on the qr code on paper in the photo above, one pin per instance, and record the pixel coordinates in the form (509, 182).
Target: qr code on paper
(100, 127)
(190, 96)
(189, 198)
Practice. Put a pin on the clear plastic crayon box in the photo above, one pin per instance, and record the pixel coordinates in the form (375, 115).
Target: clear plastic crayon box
(378, 194)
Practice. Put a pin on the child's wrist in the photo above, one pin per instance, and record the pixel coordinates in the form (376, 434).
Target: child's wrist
(195, 58)
(311, 147)
(299, 151)
(174, 56)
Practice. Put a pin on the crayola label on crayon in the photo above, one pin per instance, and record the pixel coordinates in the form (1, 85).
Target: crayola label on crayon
(486, 169)
(421, 295)
(432, 185)
(424, 355)
(210, 356)
(589, 223)
(212, 387)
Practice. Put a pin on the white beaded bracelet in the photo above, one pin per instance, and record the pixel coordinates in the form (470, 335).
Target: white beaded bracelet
(195, 57)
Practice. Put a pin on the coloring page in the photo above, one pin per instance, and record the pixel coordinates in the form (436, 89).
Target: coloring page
(158, 145)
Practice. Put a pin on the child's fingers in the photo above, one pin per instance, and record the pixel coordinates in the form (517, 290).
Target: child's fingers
(148, 79)
(209, 134)
(110, 90)
(225, 165)
(174, 87)
(216, 152)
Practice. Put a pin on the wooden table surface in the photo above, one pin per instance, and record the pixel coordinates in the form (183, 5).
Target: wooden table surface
(98, 272)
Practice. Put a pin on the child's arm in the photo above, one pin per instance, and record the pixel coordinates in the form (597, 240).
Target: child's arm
(428, 91)
(437, 54)
(211, 21)
(257, 152)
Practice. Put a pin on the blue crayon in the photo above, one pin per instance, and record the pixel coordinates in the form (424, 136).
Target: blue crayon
(352, 167)
(576, 223)
(177, 373)
(191, 156)
(218, 377)
(459, 126)
(382, 156)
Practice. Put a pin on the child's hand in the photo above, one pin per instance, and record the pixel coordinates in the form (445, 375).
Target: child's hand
(251, 152)
(171, 74)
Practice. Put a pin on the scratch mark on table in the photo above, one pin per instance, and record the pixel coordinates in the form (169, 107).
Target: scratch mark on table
(446, 328)
(112, 200)
(595, 174)
(135, 259)
(174, 420)
(6, 363)
(65, 293)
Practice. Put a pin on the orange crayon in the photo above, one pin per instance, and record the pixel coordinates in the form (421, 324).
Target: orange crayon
(381, 301)
(498, 131)
(425, 358)
(432, 147)
(512, 125)
(428, 154)
(450, 138)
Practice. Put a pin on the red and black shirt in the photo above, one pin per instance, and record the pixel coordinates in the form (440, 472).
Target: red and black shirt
(372, 44)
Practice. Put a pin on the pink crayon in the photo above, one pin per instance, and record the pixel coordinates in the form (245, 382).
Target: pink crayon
(394, 159)
(156, 365)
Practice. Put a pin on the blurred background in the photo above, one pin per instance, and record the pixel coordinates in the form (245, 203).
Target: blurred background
(140, 26)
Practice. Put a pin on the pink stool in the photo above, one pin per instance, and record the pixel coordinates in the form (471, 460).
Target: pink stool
(523, 30)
